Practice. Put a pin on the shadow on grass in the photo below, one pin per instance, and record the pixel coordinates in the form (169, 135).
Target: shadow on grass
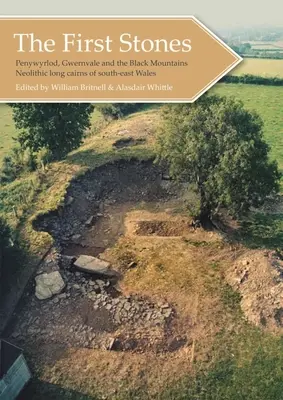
(40, 390)
(258, 379)
(91, 158)
(262, 231)
(88, 157)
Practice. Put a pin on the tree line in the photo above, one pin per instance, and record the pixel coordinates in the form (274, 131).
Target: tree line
(253, 80)
(246, 50)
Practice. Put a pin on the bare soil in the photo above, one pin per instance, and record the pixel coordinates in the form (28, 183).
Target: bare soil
(258, 276)
(168, 308)
(162, 228)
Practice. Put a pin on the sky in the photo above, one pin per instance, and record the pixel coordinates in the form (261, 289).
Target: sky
(240, 13)
(216, 14)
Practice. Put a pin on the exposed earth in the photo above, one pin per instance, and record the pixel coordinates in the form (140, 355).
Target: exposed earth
(170, 296)
(258, 277)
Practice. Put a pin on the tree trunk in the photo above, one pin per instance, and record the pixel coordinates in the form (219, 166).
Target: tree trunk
(205, 209)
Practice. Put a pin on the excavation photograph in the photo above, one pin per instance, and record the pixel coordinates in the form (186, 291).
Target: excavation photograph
(141, 247)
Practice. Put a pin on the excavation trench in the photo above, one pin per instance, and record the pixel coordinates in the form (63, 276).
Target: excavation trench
(168, 298)
(93, 311)
(92, 219)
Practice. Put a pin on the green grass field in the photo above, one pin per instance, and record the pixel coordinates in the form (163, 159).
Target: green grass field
(267, 101)
(7, 130)
(259, 66)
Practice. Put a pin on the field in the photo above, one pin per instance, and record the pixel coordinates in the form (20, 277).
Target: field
(258, 45)
(259, 66)
(267, 101)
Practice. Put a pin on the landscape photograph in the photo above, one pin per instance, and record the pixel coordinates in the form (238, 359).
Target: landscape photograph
(141, 245)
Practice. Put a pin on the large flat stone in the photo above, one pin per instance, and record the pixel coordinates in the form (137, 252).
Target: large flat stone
(47, 285)
(94, 265)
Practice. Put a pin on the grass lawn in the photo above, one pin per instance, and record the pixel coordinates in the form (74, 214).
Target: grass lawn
(260, 66)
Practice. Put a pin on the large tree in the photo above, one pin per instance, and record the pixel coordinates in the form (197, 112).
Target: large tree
(217, 145)
(59, 127)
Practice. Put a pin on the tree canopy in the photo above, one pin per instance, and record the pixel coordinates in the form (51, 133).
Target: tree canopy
(59, 127)
(217, 145)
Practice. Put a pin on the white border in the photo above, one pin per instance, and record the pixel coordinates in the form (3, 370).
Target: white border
(238, 60)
